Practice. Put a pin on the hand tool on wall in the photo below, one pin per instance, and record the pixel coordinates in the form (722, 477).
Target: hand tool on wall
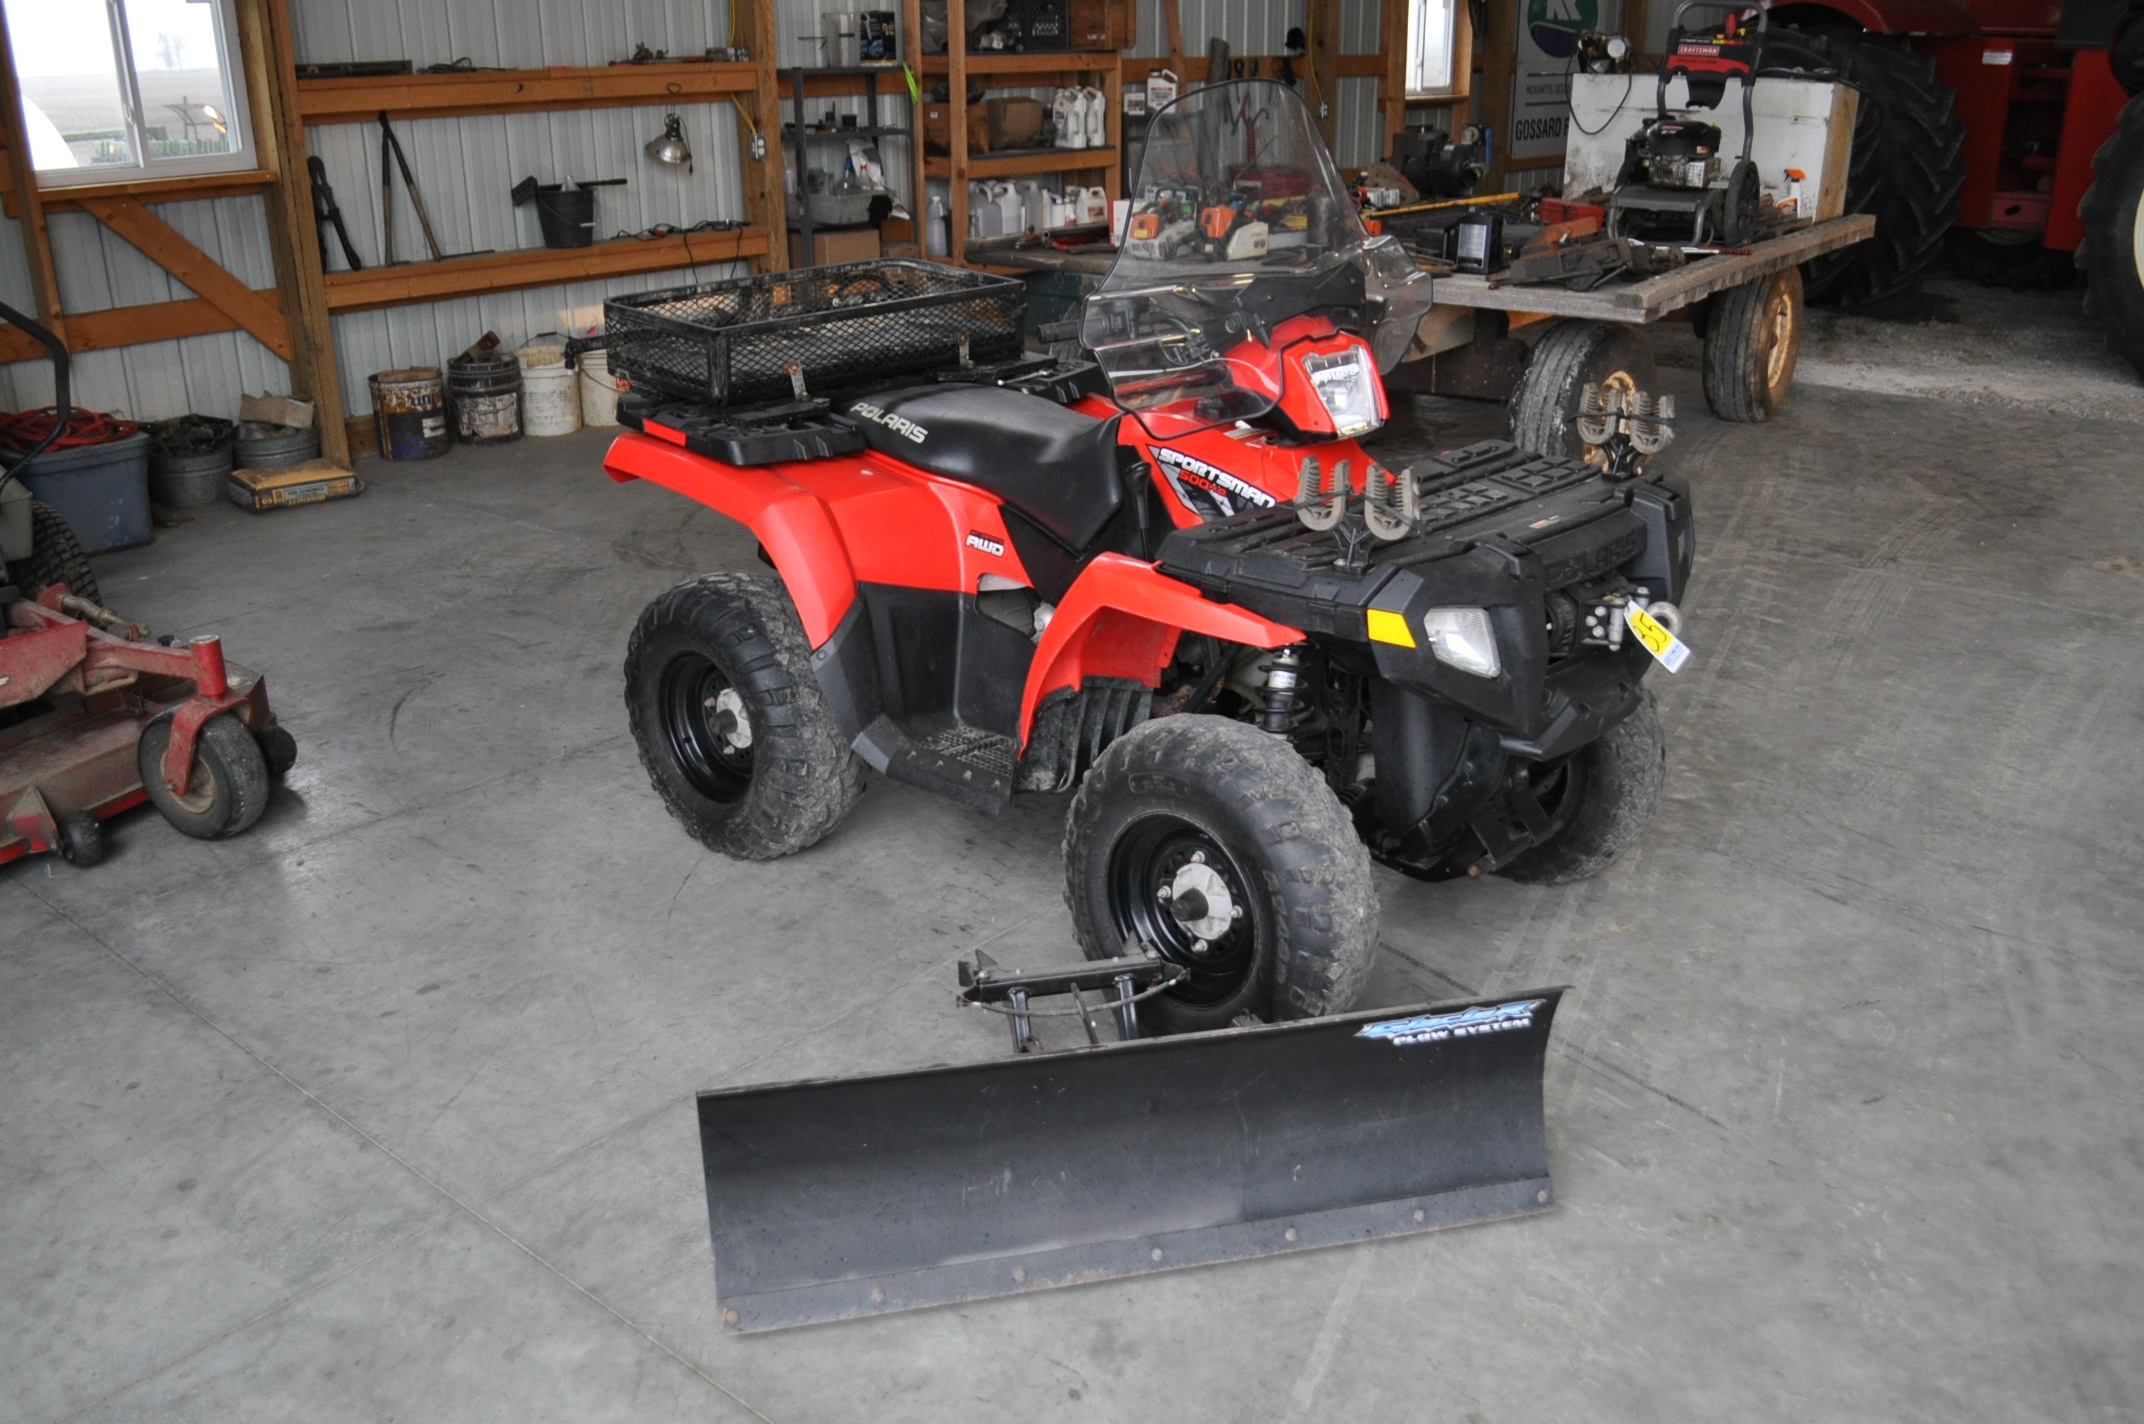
(391, 147)
(325, 212)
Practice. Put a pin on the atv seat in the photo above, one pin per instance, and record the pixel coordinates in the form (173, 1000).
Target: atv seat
(1056, 466)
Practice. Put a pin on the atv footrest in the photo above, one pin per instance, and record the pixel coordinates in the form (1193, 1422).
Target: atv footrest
(965, 763)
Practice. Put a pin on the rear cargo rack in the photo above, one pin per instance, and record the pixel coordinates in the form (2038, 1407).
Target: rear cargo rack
(783, 335)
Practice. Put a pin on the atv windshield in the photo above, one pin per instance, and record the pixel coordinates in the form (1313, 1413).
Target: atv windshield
(1238, 221)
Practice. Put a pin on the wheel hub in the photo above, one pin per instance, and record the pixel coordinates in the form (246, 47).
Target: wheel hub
(1173, 886)
(1198, 897)
(707, 728)
(731, 722)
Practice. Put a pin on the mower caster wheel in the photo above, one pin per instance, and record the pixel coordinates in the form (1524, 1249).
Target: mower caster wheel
(81, 839)
(1601, 799)
(1219, 847)
(228, 789)
(279, 749)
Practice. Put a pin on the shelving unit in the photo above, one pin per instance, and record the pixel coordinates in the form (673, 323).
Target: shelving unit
(801, 88)
(1101, 69)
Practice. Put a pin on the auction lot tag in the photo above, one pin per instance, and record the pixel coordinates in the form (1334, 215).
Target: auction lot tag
(1670, 651)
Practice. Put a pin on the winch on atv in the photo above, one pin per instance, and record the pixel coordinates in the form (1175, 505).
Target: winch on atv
(1168, 579)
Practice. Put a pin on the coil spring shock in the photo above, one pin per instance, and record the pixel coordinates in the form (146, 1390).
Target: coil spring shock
(1281, 680)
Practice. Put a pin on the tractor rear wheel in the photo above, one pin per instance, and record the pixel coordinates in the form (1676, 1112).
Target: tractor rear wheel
(1218, 846)
(55, 557)
(1908, 162)
(2113, 252)
(730, 722)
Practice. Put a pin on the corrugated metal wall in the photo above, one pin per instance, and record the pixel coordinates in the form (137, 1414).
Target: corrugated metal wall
(466, 167)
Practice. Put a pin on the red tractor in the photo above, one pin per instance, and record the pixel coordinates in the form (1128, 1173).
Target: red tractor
(2012, 127)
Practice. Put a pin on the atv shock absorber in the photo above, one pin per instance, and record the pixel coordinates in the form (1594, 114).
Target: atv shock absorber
(1281, 678)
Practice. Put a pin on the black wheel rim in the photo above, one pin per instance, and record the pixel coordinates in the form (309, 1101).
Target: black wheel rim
(698, 732)
(1560, 788)
(1220, 947)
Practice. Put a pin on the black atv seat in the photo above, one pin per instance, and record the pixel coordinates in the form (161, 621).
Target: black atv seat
(1056, 466)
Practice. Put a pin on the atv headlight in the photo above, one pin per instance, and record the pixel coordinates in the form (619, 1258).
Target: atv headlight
(1461, 637)
(1347, 385)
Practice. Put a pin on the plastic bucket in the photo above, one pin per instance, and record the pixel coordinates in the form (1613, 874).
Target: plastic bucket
(102, 491)
(485, 393)
(599, 389)
(262, 446)
(409, 413)
(567, 216)
(549, 403)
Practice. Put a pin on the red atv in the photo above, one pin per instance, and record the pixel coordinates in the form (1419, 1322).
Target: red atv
(1169, 577)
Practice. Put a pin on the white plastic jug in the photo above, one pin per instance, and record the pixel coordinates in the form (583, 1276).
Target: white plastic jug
(1071, 122)
(1010, 213)
(1094, 205)
(1096, 112)
(1034, 212)
(984, 217)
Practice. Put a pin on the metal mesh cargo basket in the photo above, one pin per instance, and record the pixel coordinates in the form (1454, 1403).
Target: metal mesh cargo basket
(733, 342)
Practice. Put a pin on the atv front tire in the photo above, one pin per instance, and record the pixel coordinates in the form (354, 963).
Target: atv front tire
(55, 557)
(1219, 846)
(731, 725)
(1908, 162)
(2113, 252)
(1602, 798)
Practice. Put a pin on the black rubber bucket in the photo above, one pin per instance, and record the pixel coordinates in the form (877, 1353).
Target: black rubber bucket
(567, 216)
(486, 395)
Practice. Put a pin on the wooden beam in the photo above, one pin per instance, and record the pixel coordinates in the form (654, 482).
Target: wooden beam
(765, 200)
(956, 129)
(536, 267)
(1392, 82)
(164, 245)
(920, 199)
(44, 280)
(1324, 18)
(1134, 68)
(1498, 50)
(279, 137)
(1172, 14)
(115, 327)
(190, 188)
(532, 91)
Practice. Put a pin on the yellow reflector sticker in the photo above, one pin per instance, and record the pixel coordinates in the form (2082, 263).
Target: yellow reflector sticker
(1390, 628)
(1670, 651)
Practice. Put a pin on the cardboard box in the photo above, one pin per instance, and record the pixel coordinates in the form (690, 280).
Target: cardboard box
(313, 482)
(938, 133)
(1015, 123)
(277, 410)
(834, 244)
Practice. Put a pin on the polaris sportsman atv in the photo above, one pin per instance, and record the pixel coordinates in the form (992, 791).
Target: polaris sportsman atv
(1169, 578)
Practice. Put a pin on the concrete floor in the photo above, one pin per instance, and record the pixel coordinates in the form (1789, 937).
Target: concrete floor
(383, 1111)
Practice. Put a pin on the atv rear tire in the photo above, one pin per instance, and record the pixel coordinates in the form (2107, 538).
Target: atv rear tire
(1570, 357)
(1285, 916)
(228, 787)
(731, 725)
(55, 557)
(1908, 162)
(2113, 252)
(1604, 797)
(1752, 335)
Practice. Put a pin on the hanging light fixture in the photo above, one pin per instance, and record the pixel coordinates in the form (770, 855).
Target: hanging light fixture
(669, 146)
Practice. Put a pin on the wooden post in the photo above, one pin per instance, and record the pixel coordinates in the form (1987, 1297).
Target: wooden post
(30, 206)
(1324, 18)
(1172, 13)
(1499, 51)
(1392, 84)
(912, 64)
(279, 138)
(764, 195)
(956, 135)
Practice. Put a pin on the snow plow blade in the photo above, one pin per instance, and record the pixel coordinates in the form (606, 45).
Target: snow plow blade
(848, 1197)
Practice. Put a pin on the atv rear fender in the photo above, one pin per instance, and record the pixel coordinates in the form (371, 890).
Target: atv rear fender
(1121, 618)
(792, 524)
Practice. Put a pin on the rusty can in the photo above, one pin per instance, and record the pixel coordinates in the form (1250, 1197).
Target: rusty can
(409, 412)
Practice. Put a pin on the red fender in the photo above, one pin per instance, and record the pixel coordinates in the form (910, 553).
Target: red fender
(1122, 618)
(1891, 17)
(792, 523)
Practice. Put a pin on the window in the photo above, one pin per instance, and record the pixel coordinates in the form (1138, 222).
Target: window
(1429, 46)
(116, 90)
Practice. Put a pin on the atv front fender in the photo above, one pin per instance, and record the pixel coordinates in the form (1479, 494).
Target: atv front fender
(793, 524)
(1121, 618)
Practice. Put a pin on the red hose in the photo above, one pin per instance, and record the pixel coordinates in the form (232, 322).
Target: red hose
(84, 427)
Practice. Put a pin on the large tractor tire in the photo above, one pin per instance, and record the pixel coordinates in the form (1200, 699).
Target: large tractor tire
(55, 557)
(2113, 252)
(1908, 163)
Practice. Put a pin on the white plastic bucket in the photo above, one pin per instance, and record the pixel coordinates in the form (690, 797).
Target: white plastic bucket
(549, 403)
(599, 389)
